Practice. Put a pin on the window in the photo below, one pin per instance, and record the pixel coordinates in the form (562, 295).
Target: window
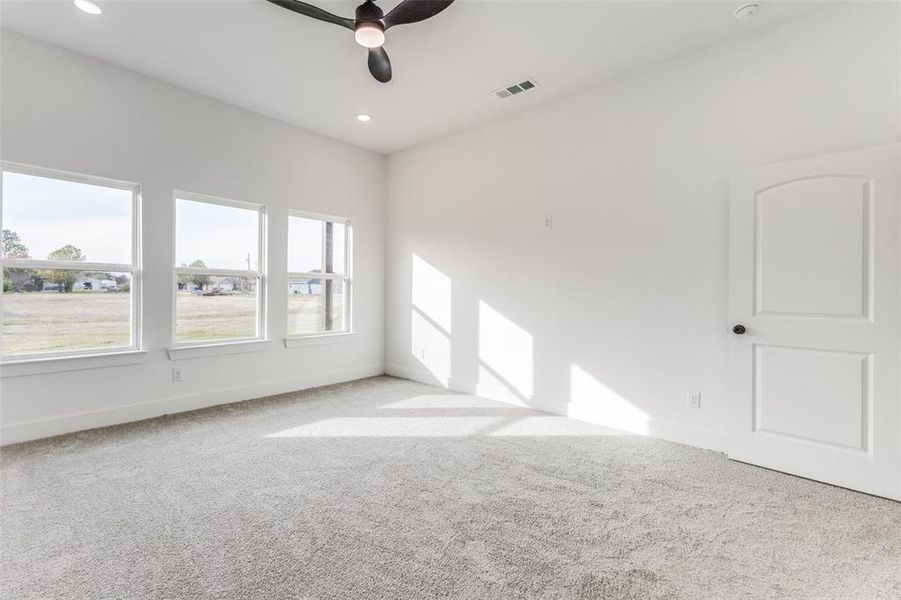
(219, 275)
(318, 274)
(71, 264)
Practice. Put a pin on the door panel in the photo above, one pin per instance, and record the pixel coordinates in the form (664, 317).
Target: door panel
(811, 394)
(814, 275)
(825, 271)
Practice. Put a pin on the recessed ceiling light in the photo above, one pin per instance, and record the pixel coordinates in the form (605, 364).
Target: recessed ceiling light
(363, 118)
(88, 7)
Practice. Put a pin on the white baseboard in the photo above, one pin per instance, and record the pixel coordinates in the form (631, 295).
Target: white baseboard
(650, 427)
(414, 374)
(31, 430)
(708, 439)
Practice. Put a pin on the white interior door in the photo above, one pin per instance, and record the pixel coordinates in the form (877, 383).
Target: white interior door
(814, 282)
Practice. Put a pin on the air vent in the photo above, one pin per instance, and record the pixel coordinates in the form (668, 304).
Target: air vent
(516, 88)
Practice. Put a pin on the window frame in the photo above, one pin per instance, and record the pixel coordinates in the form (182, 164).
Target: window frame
(259, 274)
(346, 277)
(135, 268)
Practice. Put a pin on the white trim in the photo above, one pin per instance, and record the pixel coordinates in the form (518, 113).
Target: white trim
(217, 272)
(2, 271)
(683, 434)
(295, 276)
(30, 430)
(348, 276)
(323, 301)
(40, 356)
(76, 362)
(263, 283)
(318, 216)
(300, 341)
(136, 285)
(186, 351)
(208, 199)
(63, 265)
(50, 173)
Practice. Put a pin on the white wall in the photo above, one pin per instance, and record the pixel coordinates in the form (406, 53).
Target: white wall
(621, 308)
(66, 111)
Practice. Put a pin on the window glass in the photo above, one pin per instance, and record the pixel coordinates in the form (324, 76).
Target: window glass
(305, 306)
(305, 245)
(307, 300)
(215, 308)
(65, 310)
(338, 261)
(337, 303)
(216, 236)
(64, 220)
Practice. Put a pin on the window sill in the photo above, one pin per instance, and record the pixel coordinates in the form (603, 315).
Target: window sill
(221, 349)
(302, 341)
(57, 364)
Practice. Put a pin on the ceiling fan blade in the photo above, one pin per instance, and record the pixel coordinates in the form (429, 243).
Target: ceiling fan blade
(412, 11)
(315, 12)
(379, 64)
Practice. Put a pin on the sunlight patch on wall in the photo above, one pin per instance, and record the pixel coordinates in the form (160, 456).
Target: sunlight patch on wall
(431, 347)
(431, 293)
(494, 387)
(592, 400)
(505, 354)
(430, 319)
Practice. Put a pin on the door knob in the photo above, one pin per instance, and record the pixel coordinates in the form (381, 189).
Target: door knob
(739, 330)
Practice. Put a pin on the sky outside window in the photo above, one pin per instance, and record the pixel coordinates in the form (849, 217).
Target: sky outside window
(51, 213)
(222, 237)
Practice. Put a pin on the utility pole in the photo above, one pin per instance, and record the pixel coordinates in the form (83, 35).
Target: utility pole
(248, 268)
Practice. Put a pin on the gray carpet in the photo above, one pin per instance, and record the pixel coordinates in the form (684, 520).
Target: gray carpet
(384, 488)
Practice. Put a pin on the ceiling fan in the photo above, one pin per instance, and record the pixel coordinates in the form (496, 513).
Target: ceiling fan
(370, 23)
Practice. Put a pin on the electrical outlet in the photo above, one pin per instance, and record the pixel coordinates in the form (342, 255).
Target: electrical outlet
(421, 354)
(549, 222)
(693, 399)
(176, 375)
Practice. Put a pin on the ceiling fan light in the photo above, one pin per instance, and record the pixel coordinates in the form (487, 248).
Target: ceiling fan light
(369, 35)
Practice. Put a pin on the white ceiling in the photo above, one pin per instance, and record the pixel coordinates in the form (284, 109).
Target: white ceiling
(264, 58)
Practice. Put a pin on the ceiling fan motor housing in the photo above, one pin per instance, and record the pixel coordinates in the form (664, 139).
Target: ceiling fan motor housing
(368, 11)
